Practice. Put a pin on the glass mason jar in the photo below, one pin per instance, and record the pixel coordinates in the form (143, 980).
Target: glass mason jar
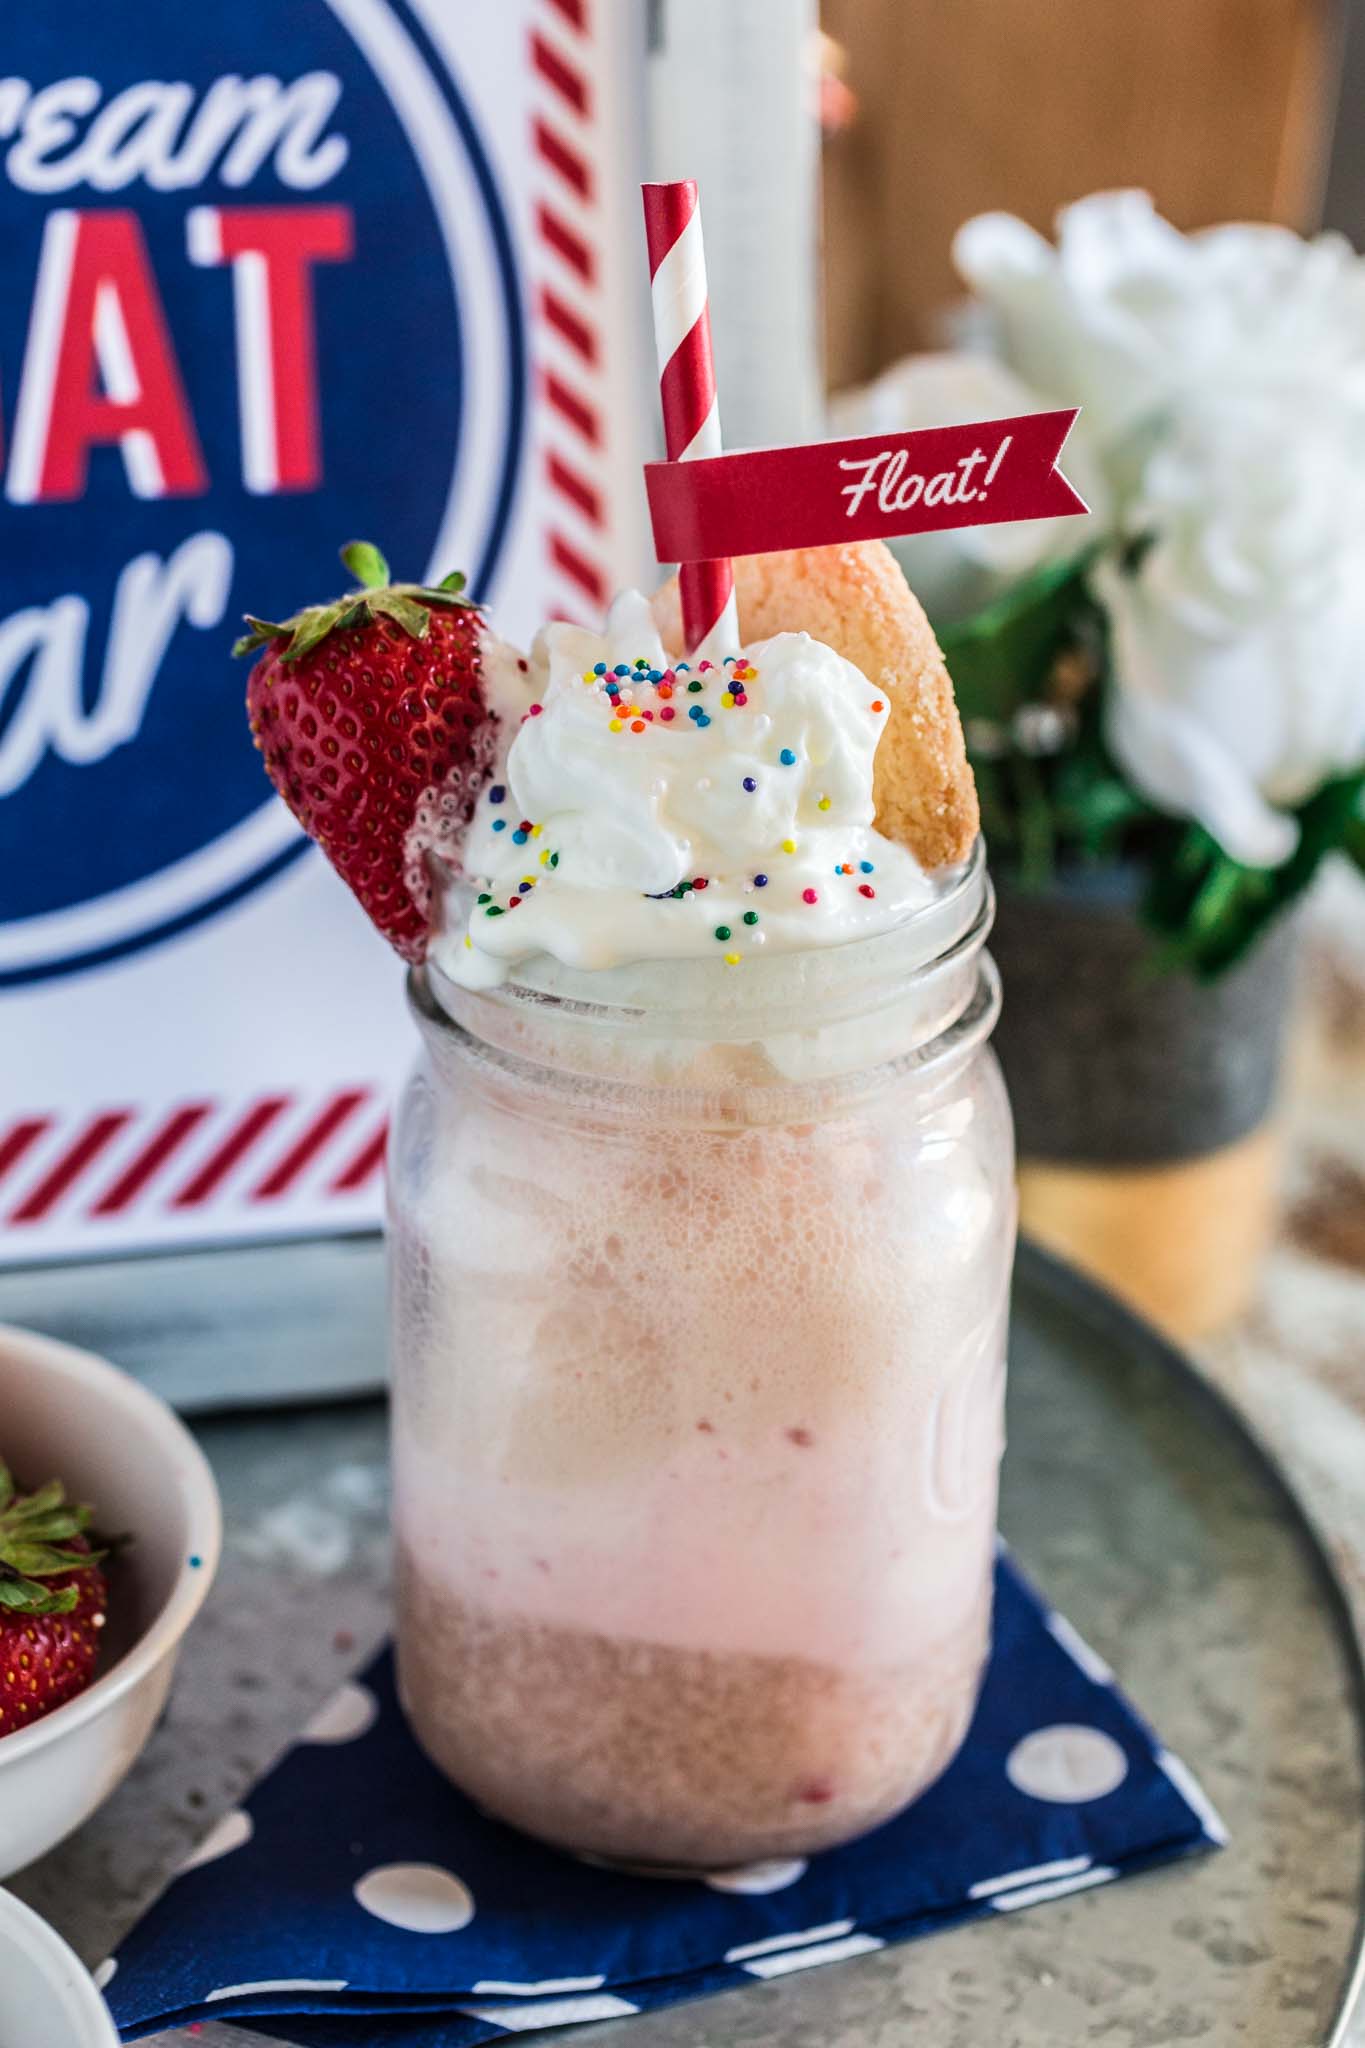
(699, 1285)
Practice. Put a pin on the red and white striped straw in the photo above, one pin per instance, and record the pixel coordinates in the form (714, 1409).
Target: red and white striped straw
(687, 391)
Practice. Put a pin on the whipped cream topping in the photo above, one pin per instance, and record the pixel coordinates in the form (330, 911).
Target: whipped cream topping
(651, 810)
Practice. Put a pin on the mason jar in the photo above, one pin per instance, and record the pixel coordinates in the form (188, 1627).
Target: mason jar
(699, 1285)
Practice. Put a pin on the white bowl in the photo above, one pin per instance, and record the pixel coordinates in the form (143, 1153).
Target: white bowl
(46, 1995)
(67, 1414)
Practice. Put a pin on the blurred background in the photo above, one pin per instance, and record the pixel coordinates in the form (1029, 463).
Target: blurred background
(1253, 1244)
(1228, 110)
(1249, 1238)
(397, 286)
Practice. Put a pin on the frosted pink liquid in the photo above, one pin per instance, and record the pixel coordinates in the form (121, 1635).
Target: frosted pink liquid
(696, 1441)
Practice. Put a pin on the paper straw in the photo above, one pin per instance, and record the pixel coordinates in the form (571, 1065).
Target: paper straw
(687, 392)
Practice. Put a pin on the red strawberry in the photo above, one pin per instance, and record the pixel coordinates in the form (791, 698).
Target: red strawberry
(374, 724)
(53, 1603)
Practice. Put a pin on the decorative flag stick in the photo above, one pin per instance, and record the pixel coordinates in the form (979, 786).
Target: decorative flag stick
(687, 391)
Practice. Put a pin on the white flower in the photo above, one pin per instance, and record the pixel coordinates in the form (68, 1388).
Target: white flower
(1239, 640)
(1130, 319)
(955, 573)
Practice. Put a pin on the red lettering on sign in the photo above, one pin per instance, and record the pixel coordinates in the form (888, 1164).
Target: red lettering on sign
(99, 368)
(272, 250)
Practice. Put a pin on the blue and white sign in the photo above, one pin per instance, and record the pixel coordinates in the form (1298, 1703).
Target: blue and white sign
(271, 279)
(250, 310)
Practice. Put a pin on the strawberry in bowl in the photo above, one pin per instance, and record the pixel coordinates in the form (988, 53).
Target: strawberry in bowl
(86, 1693)
(54, 1601)
(375, 721)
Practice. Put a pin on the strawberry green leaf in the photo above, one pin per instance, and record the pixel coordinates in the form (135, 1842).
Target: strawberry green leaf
(365, 563)
(45, 1560)
(357, 614)
(263, 631)
(58, 1526)
(40, 1503)
(21, 1596)
(415, 619)
(406, 603)
(312, 627)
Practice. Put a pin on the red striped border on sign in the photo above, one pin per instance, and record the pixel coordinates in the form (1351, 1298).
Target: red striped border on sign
(117, 1166)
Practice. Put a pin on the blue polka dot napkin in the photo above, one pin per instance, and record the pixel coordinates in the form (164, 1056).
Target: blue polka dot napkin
(359, 1901)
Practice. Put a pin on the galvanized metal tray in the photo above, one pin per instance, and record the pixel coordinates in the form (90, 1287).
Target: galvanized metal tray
(1133, 1493)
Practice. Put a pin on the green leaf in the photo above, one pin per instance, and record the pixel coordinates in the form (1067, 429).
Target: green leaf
(1210, 910)
(58, 1525)
(1219, 899)
(42, 1502)
(997, 814)
(7, 1488)
(414, 619)
(263, 631)
(1045, 813)
(1330, 819)
(45, 1560)
(1097, 812)
(999, 658)
(406, 603)
(1037, 839)
(1353, 845)
(366, 564)
(312, 627)
(357, 614)
(22, 1597)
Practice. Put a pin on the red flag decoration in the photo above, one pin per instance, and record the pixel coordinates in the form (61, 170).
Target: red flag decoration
(875, 486)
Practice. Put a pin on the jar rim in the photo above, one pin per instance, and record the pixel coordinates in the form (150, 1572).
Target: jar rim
(702, 999)
(916, 995)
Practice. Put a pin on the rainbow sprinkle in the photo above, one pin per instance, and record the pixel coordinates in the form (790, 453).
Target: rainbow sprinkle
(635, 695)
(628, 713)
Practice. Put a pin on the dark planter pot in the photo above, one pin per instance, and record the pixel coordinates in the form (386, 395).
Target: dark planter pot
(1142, 1100)
(1112, 1064)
